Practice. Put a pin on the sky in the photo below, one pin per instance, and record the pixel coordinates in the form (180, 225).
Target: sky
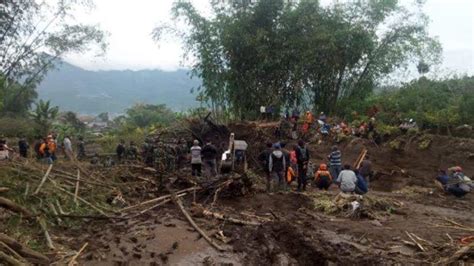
(130, 23)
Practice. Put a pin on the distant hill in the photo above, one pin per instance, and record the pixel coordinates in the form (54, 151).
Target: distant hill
(92, 92)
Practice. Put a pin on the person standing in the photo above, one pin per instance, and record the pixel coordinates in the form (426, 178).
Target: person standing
(23, 147)
(347, 180)
(196, 160)
(335, 161)
(209, 155)
(120, 150)
(81, 149)
(38, 143)
(277, 167)
(4, 150)
(302, 158)
(365, 169)
(67, 144)
(263, 158)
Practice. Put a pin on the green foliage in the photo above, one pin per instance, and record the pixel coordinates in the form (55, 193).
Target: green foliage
(282, 53)
(12, 127)
(44, 115)
(432, 103)
(145, 115)
(424, 142)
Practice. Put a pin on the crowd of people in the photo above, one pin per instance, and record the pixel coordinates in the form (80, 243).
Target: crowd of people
(296, 126)
(283, 166)
(45, 149)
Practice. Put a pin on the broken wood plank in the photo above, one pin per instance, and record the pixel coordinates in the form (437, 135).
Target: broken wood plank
(43, 179)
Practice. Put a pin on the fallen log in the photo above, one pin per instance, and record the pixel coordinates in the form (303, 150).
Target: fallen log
(8, 204)
(155, 200)
(4, 189)
(178, 203)
(24, 251)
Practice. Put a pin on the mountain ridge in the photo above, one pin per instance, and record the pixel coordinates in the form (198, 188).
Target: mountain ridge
(73, 88)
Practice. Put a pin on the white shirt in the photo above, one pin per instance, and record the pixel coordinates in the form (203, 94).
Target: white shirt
(67, 144)
(196, 155)
(348, 180)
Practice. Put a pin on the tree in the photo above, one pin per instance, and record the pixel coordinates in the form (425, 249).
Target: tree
(43, 115)
(34, 34)
(281, 53)
(71, 119)
(144, 115)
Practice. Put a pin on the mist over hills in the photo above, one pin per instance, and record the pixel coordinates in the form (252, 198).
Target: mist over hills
(92, 92)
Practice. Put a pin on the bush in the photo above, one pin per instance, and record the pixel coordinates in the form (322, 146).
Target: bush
(17, 126)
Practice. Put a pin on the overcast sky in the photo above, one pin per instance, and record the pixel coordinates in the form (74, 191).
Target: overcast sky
(130, 23)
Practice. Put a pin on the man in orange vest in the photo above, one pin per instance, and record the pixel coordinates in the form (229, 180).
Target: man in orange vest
(323, 177)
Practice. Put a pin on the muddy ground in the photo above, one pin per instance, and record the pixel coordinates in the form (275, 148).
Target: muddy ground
(294, 231)
(404, 219)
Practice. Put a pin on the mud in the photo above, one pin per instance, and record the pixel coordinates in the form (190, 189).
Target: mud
(292, 231)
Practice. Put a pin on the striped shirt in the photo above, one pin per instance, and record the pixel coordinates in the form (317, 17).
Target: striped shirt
(335, 157)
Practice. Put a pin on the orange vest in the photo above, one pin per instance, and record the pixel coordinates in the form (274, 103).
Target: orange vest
(320, 173)
(290, 175)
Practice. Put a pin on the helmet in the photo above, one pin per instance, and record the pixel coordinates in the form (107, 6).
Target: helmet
(196, 142)
(323, 167)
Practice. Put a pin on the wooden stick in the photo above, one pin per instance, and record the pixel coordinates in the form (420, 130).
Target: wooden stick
(49, 242)
(178, 203)
(77, 187)
(230, 219)
(414, 241)
(155, 200)
(8, 204)
(43, 179)
(27, 189)
(11, 251)
(79, 198)
(24, 251)
(10, 260)
(91, 217)
(73, 260)
(157, 205)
